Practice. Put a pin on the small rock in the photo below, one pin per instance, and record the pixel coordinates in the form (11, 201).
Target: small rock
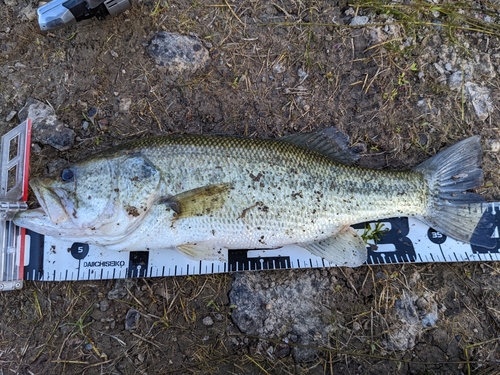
(455, 81)
(11, 3)
(36, 148)
(302, 75)
(104, 305)
(113, 53)
(11, 115)
(481, 100)
(131, 319)
(88, 346)
(125, 104)
(208, 321)
(356, 326)
(120, 288)
(278, 68)
(483, 66)
(85, 125)
(439, 68)
(495, 146)
(448, 67)
(19, 65)
(349, 12)
(178, 53)
(218, 317)
(28, 12)
(92, 114)
(47, 129)
(359, 20)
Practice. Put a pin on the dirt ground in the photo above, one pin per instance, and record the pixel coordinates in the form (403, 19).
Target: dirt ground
(276, 68)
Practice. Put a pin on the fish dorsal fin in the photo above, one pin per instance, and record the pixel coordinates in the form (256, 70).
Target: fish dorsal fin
(201, 201)
(346, 248)
(138, 184)
(329, 141)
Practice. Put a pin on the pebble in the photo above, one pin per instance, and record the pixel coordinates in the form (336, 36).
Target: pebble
(29, 12)
(455, 80)
(104, 305)
(439, 68)
(480, 98)
(11, 115)
(302, 75)
(495, 146)
(47, 129)
(359, 20)
(208, 321)
(278, 68)
(36, 148)
(131, 319)
(218, 317)
(125, 104)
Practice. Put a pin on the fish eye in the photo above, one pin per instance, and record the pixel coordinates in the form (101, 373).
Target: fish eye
(67, 175)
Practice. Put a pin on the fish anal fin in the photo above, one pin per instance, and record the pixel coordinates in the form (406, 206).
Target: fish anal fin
(346, 248)
(203, 251)
(201, 201)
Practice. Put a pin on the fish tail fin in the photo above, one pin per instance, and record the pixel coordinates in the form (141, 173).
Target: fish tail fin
(452, 209)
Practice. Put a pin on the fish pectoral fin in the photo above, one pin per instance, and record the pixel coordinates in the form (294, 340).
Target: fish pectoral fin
(198, 202)
(345, 248)
(203, 251)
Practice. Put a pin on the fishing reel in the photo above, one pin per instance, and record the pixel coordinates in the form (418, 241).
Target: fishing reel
(59, 13)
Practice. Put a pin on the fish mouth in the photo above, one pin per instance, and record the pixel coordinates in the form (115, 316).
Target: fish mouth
(53, 217)
(52, 202)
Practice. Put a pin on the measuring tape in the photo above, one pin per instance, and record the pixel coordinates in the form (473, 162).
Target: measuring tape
(27, 255)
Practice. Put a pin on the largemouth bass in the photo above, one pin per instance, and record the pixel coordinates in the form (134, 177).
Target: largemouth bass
(201, 194)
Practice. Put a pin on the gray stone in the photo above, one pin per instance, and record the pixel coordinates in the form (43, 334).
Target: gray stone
(11, 3)
(47, 129)
(455, 80)
(28, 12)
(131, 319)
(483, 68)
(439, 68)
(11, 115)
(283, 306)
(177, 53)
(125, 104)
(208, 321)
(480, 98)
(104, 305)
(121, 288)
(359, 20)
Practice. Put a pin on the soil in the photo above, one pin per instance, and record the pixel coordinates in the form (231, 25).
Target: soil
(275, 68)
